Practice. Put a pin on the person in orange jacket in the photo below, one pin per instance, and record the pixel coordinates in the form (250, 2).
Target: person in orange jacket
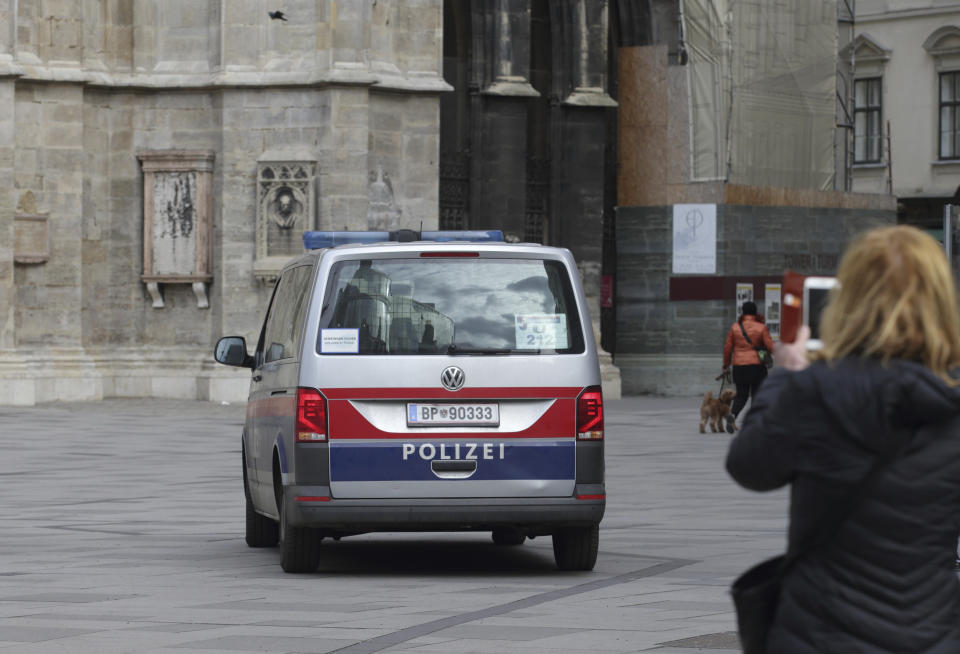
(748, 371)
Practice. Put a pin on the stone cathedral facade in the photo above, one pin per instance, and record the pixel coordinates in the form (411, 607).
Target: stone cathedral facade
(159, 160)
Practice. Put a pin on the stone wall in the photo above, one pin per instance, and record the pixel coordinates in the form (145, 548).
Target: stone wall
(48, 161)
(8, 203)
(85, 87)
(403, 129)
(671, 346)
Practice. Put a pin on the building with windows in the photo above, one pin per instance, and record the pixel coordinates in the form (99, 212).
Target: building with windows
(159, 159)
(733, 167)
(907, 105)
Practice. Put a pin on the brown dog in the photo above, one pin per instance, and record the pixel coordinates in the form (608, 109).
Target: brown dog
(715, 410)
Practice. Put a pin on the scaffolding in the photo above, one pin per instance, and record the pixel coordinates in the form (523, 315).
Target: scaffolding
(763, 91)
(846, 70)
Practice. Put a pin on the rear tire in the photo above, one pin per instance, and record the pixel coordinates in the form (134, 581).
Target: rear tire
(575, 548)
(508, 537)
(299, 546)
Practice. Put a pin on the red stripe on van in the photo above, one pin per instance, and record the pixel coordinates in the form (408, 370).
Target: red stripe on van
(437, 393)
(556, 422)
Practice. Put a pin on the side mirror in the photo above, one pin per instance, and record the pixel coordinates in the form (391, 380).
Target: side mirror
(232, 351)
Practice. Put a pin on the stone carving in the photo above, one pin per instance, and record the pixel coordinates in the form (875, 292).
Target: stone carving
(27, 203)
(286, 207)
(382, 212)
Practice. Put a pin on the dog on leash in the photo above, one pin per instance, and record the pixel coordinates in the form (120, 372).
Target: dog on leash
(717, 410)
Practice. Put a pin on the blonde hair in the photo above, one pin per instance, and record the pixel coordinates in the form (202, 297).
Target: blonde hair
(896, 299)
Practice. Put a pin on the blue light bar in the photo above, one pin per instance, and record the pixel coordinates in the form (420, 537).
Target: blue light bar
(327, 239)
(318, 240)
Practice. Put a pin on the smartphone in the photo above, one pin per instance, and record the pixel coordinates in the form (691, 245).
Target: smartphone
(790, 303)
(816, 293)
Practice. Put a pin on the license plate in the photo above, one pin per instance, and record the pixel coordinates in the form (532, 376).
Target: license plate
(443, 415)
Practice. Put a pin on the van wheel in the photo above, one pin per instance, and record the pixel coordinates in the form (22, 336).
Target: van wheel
(508, 537)
(299, 546)
(261, 531)
(575, 548)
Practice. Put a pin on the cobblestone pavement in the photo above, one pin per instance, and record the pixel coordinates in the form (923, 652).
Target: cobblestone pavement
(122, 531)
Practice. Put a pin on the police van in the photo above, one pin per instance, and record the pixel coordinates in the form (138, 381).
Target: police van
(434, 381)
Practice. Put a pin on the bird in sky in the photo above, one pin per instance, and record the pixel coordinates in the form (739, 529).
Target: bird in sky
(277, 15)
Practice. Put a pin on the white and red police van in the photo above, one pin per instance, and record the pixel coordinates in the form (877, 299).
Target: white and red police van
(431, 381)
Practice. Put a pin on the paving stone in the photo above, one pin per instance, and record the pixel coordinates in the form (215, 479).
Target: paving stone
(16, 634)
(127, 537)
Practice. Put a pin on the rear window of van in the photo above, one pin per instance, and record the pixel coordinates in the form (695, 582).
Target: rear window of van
(449, 305)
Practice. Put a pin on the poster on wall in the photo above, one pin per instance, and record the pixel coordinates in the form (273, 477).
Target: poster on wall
(744, 294)
(695, 238)
(174, 219)
(771, 309)
(606, 292)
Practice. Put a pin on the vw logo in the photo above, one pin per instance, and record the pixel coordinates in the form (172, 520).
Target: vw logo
(452, 378)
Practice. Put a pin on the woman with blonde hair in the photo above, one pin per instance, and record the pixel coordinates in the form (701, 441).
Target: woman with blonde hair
(867, 434)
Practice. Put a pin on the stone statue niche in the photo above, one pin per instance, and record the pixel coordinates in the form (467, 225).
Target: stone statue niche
(286, 208)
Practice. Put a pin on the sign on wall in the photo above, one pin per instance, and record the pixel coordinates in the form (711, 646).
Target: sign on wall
(744, 294)
(771, 309)
(695, 238)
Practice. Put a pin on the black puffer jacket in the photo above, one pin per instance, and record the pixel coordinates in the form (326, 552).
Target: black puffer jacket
(885, 583)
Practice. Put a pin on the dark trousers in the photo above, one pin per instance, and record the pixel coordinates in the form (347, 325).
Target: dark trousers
(747, 380)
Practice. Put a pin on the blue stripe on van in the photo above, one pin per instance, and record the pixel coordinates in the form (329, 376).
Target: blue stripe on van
(410, 461)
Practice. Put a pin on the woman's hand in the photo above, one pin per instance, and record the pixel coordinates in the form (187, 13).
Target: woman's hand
(793, 356)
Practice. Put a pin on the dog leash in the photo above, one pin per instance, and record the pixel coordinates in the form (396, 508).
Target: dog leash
(723, 377)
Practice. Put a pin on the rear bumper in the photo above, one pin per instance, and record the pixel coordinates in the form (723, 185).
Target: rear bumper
(534, 516)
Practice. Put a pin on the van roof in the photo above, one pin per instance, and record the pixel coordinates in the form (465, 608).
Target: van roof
(314, 240)
(394, 247)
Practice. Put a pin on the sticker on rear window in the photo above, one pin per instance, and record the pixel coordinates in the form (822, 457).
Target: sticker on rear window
(541, 331)
(340, 341)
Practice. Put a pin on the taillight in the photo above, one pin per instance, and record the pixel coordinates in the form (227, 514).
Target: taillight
(590, 414)
(311, 416)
